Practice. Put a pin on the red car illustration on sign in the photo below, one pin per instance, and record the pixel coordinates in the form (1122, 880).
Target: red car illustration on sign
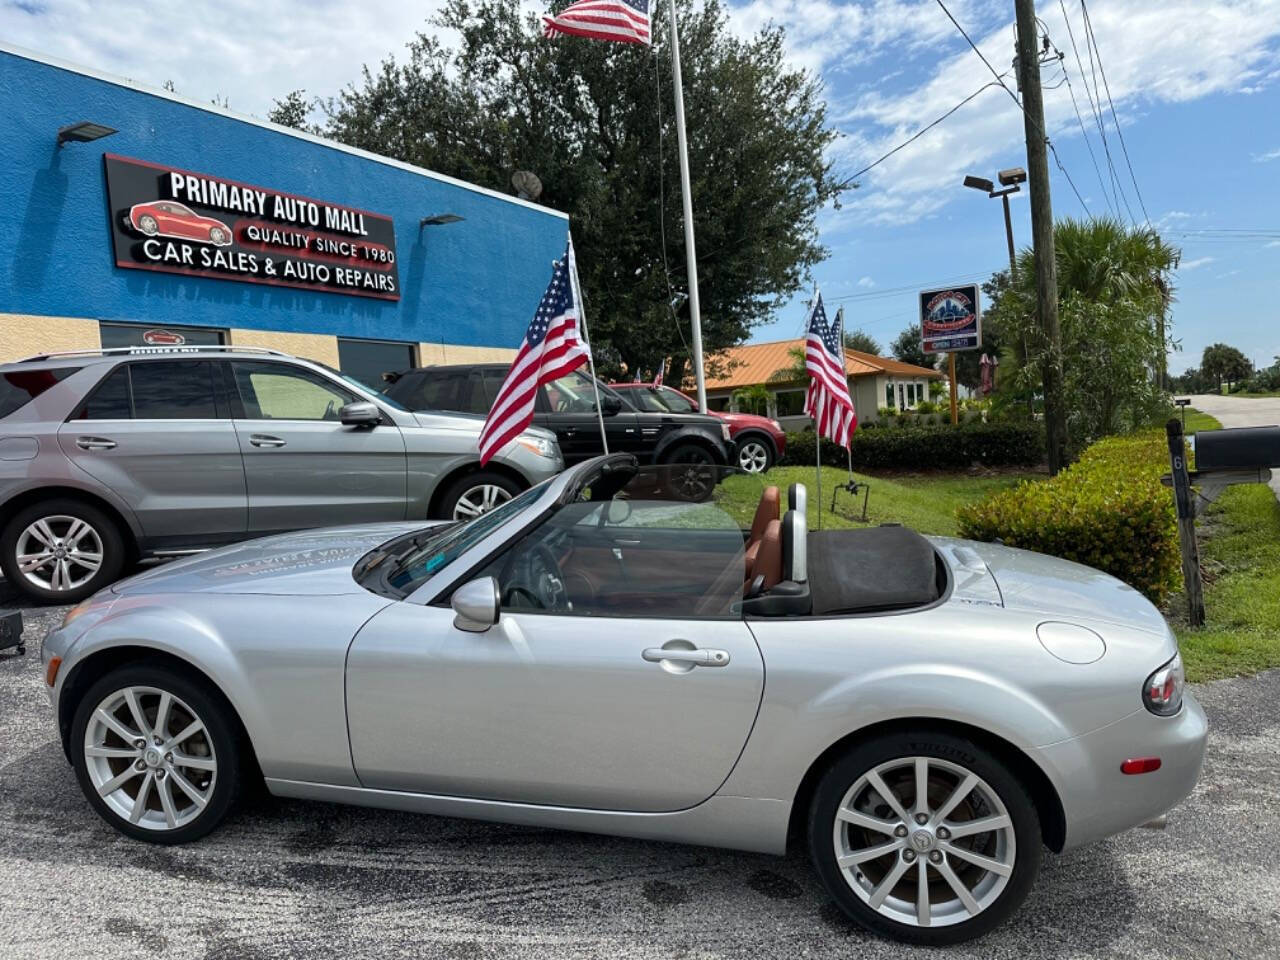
(168, 218)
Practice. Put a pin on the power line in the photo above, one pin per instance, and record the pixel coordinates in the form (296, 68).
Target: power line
(1088, 23)
(1111, 205)
(1014, 97)
(925, 129)
(1095, 103)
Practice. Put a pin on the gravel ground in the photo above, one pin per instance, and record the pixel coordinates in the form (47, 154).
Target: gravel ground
(302, 880)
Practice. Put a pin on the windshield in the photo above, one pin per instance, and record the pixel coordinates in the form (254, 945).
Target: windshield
(346, 378)
(432, 551)
(675, 401)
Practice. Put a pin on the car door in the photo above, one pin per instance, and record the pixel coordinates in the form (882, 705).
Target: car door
(302, 466)
(568, 407)
(572, 708)
(159, 434)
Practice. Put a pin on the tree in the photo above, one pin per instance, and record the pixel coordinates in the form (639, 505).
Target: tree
(1221, 362)
(1113, 290)
(861, 340)
(908, 349)
(293, 111)
(753, 399)
(593, 121)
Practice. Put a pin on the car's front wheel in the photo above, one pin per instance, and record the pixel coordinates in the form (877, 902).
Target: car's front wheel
(476, 493)
(61, 551)
(156, 753)
(755, 454)
(147, 224)
(924, 837)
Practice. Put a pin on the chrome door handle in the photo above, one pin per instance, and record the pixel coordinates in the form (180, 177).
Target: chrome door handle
(694, 658)
(264, 440)
(95, 443)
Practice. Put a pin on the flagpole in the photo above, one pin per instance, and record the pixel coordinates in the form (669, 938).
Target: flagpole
(591, 360)
(817, 431)
(844, 361)
(691, 258)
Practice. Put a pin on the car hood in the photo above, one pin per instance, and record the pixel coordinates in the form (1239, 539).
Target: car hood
(466, 423)
(748, 420)
(307, 563)
(1049, 586)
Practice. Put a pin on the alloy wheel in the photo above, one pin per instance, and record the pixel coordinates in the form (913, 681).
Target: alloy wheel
(148, 226)
(753, 457)
(924, 841)
(150, 758)
(59, 552)
(479, 499)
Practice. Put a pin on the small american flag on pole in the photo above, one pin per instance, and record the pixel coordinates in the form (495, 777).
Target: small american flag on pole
(550, 349)
(624, 21)
(827, 400)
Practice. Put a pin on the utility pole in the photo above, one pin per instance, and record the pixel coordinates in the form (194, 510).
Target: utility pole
(1055, 414)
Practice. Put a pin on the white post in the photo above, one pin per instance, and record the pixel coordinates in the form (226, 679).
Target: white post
(691, 257)
(844, 364)
(576, 290)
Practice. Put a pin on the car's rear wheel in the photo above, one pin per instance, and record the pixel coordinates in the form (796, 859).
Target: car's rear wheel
(217, 236)
(157, 754)
(924, 837)
(61, 551)
(476, 494)
(755, 454)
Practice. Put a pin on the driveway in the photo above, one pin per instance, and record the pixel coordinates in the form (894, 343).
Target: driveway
(290, 879)
(1242, 412)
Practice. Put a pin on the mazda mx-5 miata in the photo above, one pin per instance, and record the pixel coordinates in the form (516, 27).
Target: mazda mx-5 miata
(925, 714)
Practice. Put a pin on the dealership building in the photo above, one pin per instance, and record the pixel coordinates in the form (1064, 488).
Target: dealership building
(132, 216)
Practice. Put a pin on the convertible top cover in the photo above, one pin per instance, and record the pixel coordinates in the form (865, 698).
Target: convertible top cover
(881, 568)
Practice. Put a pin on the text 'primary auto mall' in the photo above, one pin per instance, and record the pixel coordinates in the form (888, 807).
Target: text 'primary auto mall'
(156, 220)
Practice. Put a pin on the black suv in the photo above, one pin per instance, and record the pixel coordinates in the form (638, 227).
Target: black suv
(568, 407)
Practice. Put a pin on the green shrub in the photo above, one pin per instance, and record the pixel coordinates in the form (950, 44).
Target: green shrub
(927, 448)
(1108, 510)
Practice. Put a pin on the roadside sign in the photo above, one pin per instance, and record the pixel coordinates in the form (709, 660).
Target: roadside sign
(950, 319)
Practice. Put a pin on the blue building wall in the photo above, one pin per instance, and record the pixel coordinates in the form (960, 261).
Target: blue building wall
(473, 283)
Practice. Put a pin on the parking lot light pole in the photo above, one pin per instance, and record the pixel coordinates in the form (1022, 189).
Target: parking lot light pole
(1010, 180)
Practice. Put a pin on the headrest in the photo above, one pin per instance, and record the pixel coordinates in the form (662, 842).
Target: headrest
(766, 510)
(795, 539)
(798, 499)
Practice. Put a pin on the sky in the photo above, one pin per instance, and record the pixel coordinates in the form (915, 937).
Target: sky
(1195, 87)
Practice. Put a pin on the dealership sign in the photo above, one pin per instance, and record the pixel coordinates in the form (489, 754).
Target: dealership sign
(174, 221)
(950, 320)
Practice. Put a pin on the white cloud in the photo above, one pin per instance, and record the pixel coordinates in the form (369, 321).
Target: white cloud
(1265, 157)
(1198, 262)
(1273, 243)
(866, 282)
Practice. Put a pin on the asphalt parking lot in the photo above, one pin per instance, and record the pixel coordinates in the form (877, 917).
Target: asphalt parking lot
(306, 880)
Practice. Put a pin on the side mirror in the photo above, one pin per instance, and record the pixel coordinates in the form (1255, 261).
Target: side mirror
(475, 605)
(610, 405)
(361, 413)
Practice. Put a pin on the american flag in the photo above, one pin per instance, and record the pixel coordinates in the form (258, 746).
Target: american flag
(827, 400)
(657, 380)
(550, 349)
(626, 21)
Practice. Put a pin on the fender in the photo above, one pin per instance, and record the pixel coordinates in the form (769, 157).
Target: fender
(90, 489)
(703, 436)
(289, 692)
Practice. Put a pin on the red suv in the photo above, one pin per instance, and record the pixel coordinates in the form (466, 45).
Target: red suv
(758, 441)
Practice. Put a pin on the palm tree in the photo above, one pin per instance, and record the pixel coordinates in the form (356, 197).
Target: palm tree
(752, 399)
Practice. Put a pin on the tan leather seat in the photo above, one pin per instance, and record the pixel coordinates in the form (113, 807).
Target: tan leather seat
(767, 511)
(768, 559)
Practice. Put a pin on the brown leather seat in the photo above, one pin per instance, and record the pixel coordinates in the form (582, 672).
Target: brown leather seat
(768, 559)
(767, 511)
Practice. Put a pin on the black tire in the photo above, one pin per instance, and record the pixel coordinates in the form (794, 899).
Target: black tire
(756, 440)
(103, 527)
(225, 736)
(959, 754)
(447, 506)
(691, 473)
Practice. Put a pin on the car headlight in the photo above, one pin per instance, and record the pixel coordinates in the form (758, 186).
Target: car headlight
(1162, 693)
(724, 432)
(538, 446)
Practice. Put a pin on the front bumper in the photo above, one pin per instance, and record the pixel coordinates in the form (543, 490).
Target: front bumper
(1097, 799)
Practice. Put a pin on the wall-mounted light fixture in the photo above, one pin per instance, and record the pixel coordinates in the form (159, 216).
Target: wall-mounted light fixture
(439, 220)
(83, 132)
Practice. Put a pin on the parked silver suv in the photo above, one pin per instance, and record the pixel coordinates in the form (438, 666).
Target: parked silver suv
(113, 455)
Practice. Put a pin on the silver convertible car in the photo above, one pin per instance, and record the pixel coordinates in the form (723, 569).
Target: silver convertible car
(924, 714)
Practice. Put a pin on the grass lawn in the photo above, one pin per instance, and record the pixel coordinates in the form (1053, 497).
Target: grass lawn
(1199, 421)
(926, 503)
(1240, 554)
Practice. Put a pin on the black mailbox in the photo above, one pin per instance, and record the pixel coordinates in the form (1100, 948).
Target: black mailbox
(1242, 448)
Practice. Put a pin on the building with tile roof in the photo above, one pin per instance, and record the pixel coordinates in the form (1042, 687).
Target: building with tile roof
(874, 382)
